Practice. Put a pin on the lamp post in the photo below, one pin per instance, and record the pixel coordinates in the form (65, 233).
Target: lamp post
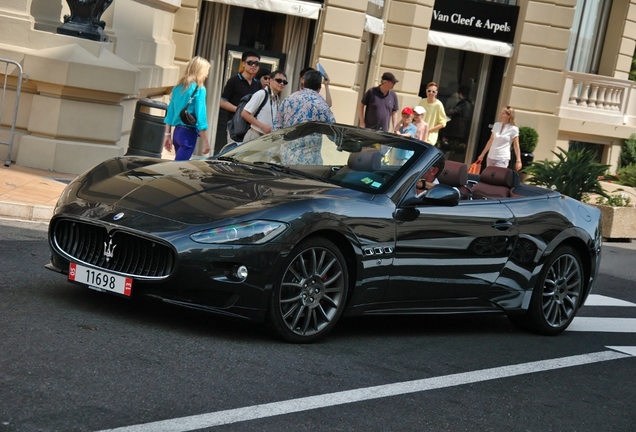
(84, 20)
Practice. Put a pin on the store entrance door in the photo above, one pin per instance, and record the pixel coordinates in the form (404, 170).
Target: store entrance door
(458, 73)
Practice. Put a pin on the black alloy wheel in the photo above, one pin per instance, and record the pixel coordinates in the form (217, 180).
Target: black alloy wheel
(557, 295)
(311, 292)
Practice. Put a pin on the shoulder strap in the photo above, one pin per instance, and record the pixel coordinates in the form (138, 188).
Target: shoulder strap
(262, 103)
(192, 95)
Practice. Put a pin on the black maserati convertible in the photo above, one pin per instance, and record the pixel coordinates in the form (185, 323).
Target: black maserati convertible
(311, 222)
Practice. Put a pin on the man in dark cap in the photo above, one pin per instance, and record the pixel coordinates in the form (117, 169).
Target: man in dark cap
(379, 105)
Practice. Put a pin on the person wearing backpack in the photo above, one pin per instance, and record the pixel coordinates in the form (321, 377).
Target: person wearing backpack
(242, 84)
(189, 93)
(261, 110)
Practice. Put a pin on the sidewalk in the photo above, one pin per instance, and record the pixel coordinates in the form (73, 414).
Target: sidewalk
(29, 193)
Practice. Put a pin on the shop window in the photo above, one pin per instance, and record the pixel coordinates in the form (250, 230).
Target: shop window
(262, 30)
(588, 35)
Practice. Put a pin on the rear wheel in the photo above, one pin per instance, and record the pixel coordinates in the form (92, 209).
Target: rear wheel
(557, 295)
(310, 294)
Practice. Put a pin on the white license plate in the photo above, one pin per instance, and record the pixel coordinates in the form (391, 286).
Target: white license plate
(100, 280)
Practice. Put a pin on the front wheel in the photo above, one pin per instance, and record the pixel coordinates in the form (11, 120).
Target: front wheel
(557, 295)
(310, 294)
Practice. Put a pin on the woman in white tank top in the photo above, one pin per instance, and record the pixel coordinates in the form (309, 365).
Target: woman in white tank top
(504, 135)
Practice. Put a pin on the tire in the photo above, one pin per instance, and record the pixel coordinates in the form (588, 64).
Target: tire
(557, 295)
(310, 294)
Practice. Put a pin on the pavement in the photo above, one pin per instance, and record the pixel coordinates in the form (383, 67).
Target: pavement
(31, 194)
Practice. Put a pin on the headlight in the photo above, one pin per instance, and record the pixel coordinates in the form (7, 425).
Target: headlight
(253, 232)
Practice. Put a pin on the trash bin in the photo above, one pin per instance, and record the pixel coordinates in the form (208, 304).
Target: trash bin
(148, 131)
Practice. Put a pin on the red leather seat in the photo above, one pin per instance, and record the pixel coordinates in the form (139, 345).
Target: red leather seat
(494, 183)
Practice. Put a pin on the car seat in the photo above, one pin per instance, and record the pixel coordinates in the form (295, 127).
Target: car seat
(495, 183)
(360, 168)
(456, 174)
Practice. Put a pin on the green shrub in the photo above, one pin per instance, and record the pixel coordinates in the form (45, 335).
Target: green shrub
(627, 175)
(628, 152)
(528, 139)
(614, 200)
(574, 174)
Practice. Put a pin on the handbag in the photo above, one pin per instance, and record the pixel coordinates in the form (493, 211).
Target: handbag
(475, 168)
(186, 116)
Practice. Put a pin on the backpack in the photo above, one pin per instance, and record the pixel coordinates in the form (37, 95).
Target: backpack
(238, 126)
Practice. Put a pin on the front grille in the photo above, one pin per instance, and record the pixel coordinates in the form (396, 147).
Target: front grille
(131, 254)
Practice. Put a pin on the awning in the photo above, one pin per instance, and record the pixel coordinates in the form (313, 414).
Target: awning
(373, 25)
(467, 43)
(303, 9)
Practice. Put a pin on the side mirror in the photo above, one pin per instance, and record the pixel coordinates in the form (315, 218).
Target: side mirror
(442, 195)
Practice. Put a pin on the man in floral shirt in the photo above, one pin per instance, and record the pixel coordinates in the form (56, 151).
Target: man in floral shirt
(303, 106)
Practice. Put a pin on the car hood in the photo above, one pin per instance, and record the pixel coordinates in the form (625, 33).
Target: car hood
(197, 192)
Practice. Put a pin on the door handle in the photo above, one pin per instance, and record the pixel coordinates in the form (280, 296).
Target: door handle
(502, 225)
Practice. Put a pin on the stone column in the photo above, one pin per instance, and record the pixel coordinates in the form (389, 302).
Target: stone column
(337, 48)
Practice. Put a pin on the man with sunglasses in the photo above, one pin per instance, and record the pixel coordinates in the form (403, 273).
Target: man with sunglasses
(261, 110)
(239, 85)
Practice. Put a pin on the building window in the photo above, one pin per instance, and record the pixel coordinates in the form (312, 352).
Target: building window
(597, 149)
(588, 35)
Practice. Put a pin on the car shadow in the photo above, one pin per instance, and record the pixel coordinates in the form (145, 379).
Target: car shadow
(424, 325)
(148, 311)
(192, 322)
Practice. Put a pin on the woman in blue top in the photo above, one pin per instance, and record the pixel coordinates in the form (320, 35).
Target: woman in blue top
(185, 136)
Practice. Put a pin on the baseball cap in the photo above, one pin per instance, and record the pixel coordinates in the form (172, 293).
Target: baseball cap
(407, 110)
(388, 76)
(419, 110)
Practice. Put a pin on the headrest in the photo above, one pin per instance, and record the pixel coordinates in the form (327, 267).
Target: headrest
(454, 174)
(366, 160)
(497, 176)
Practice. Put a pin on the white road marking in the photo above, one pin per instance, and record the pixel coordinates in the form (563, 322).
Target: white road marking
(601, 300)
(631, 350)
(603, 325)
(218, 418)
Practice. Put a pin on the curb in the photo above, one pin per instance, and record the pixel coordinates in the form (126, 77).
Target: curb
(25, 211)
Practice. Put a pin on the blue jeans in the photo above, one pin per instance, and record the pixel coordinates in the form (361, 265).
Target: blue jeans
(184, 140)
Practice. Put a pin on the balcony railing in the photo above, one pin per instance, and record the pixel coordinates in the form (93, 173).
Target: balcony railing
(598, 98)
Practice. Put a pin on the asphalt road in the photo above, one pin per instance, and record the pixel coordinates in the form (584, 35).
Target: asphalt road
(72, 359)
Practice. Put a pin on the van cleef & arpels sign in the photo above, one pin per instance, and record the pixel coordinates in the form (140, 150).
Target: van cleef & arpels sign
(480, 19)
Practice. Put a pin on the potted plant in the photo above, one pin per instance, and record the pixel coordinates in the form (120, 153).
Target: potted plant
(575, 174)
(618, 216)
(528, 140)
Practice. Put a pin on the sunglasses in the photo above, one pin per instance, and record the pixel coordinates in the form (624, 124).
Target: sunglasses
(281, 81)
(253, 62)
(431, 91)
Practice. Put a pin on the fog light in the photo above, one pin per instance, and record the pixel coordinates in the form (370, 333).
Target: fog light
(239, 273)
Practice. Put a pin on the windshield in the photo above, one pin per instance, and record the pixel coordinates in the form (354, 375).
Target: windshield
(355, 158)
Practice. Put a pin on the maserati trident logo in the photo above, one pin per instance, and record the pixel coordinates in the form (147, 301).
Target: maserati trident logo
(109, 250)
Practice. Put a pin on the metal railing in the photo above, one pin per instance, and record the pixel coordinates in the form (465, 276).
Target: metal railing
(3, 99)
